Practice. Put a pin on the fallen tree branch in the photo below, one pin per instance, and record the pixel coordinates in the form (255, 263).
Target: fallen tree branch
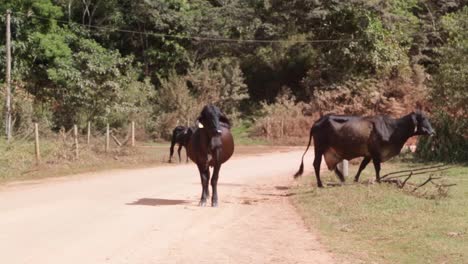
(413, 170)
(443, 185)
(421, 172)
(395, 181)
(438, 190)
(404, 182)
(426, 182)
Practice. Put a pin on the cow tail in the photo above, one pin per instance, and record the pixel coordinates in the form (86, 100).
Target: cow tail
(301, 168)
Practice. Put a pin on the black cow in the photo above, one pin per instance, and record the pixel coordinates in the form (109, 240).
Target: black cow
(180, 136)
(210, 146)
(377, 138)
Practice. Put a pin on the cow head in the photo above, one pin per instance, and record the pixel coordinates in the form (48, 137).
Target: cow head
(421, 123)
(211, 118)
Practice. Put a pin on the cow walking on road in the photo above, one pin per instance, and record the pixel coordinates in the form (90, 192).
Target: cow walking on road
(377, 138)
(211, 145)
(180, 136)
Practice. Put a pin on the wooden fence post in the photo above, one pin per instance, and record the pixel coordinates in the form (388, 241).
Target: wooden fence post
(36, 137)
(89, 134)
(268, 128)
(107, 138)
(75, 138)
(282, 128)
(133, 134)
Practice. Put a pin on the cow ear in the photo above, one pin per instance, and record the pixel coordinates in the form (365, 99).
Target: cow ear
(199, 122)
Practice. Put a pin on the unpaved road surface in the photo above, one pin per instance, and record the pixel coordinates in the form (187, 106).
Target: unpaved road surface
(151, 216)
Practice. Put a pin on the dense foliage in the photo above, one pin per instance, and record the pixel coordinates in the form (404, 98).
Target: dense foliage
(159, 60)
(450, 95)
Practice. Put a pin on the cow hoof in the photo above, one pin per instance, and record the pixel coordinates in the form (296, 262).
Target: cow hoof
(214, 204)
(202, 203)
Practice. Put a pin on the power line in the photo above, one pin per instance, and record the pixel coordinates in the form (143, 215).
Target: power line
(190, 37)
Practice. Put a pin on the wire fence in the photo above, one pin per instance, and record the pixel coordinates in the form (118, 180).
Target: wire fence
(38, 145)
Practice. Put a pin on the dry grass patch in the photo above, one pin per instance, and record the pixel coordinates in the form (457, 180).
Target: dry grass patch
(379, 223)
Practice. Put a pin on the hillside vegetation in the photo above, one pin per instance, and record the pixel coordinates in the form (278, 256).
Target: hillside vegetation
(272, 64)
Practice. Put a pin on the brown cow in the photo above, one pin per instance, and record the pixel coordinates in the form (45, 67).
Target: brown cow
(210, 146)
(377, 138)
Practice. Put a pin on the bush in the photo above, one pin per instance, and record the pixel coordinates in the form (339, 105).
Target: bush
(450, 96)
(368, 97)
(450, 81)
(180, 99)
(282, 119)
(450, 144)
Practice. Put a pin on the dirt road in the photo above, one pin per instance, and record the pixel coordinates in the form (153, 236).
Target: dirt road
(151, 216)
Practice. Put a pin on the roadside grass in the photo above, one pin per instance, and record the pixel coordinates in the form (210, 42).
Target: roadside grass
(378, 223)
(17, 159)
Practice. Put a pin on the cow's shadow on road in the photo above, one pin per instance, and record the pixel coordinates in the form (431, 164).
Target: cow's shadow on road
(158, 202)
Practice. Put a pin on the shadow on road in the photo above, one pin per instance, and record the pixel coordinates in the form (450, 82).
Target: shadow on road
(158, 202)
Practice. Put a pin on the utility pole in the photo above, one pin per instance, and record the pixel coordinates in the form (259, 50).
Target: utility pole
(8, 78)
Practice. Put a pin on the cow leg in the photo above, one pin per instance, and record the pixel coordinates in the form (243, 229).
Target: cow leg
(363, 165)
(377, 168)
(171, 150)
(214, 185)
(205, 178)
(178, 151)
(186, 155)
(339, 174)
(214, 179)
(317, 162)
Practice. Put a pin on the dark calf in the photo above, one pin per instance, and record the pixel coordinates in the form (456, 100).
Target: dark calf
(180, 136)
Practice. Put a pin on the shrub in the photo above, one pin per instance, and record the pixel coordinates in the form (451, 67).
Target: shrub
(450, 144)
(450, 96)
(368, 97)
(181, 98)
(282, 119)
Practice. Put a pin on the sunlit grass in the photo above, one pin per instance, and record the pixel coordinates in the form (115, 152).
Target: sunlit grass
(378, 223)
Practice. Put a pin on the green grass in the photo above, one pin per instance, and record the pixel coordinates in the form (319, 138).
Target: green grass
(378, 223)
(240, 133)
